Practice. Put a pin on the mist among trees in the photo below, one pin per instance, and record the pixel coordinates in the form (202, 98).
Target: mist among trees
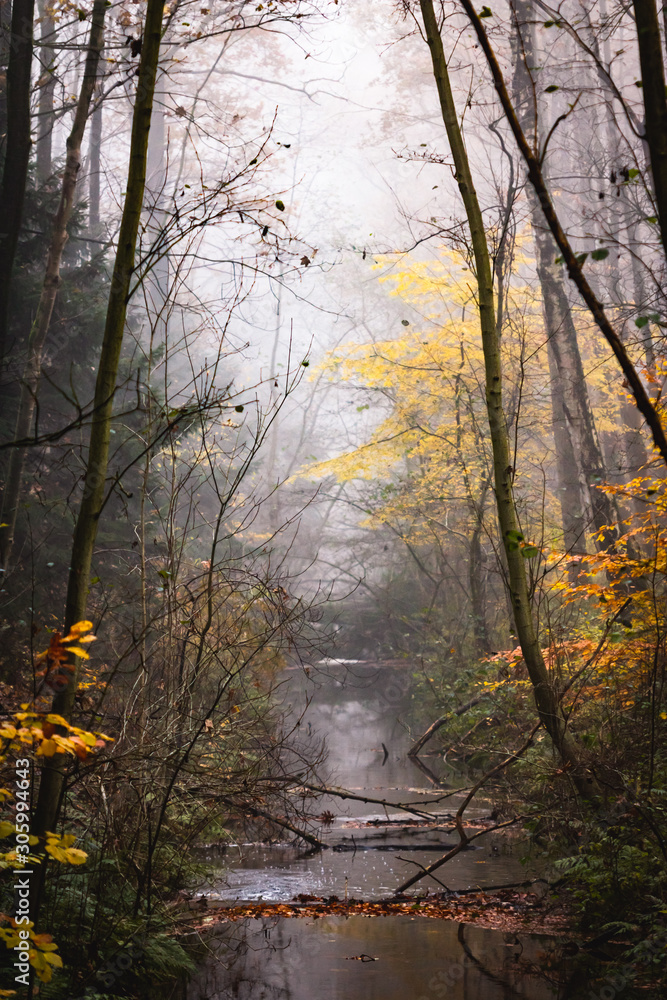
(330, 332)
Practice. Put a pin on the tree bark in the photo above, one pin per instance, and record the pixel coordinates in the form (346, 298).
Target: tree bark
(546, 699)
(655, 102)
(574, 267)
(40, 326)
(476, 579)
(95, 170)
(85, 532)
(17, 151)
(581, 467)
(47, 87)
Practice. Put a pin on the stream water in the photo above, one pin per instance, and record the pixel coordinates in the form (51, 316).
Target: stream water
(358, 709)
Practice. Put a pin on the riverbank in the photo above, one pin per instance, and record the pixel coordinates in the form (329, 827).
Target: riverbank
(507, 910)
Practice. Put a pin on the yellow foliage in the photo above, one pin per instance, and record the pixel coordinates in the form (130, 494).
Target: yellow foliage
(61, 849)
(39, 732)
(428, 450)
(41, 954)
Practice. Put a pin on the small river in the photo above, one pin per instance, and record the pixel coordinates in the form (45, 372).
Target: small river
(359, 709)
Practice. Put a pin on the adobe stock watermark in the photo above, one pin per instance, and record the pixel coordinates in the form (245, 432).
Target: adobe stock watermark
(22, 875)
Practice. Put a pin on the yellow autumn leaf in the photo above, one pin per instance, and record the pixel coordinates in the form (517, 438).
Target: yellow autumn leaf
(56, 852)
(57, 720)
(78, 652)
(74, 856)
(47, 748)
(40, 965)
(80, 628)
(6, 829)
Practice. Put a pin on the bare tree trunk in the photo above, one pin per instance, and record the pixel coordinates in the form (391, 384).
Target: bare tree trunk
(17, 151)
(476, 578)
(47, 85)
(581, 467)
(655, 102)
(572, 497)
(40, 326)
(85, 532)
(95, 169)
(546, 698)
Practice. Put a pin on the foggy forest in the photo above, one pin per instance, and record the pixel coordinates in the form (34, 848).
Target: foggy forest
(333, 499)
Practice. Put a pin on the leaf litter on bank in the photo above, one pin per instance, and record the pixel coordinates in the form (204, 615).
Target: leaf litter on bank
(505, 910)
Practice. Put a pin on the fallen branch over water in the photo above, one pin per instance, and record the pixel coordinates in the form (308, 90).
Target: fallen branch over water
(343, 793)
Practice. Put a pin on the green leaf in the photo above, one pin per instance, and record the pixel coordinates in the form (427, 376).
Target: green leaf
(600, 254)
(558, 260)
(652, 219)
(530, 551)
(581, 257)
(551, 88)
(280, 205)
(632, 173)
(512, 546)
(486, 12)
(405, 322)
(514, 535)
(641, 321)
(239, 408)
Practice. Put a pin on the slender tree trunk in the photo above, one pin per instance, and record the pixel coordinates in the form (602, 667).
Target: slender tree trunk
(618, 215)
(571, 493)
(655, 101)
(85, 532)
(95, 169)
(17, 151)
(581, 467)
(40, 326)
(5, 35)
(477, 579)
(47, 86)
(545, 696)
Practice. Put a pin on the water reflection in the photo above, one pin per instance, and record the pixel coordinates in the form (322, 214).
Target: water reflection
(379, 958)
(359, 710)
